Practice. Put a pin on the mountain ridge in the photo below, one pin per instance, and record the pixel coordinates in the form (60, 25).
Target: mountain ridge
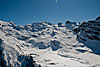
(37, 44)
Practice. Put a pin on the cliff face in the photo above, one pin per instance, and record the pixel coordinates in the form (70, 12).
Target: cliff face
(89, 34)
(11, 54)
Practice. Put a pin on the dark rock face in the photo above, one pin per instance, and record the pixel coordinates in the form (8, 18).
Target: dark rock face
(98, 18)
(70, 25)
(21, 37)
(89, 34)
(34, 36)
(2, 61)
(60, 24)
(55, 45)
(90, 30)
(76, 30)
(68, 22)
(53, 33)
(27, 61)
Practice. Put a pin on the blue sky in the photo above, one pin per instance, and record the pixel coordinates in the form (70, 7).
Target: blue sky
(28, 11)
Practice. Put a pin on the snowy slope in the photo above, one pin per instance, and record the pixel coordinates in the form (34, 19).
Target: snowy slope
(47, 44)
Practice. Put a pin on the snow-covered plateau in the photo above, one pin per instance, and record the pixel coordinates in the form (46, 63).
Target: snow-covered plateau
(44, 44)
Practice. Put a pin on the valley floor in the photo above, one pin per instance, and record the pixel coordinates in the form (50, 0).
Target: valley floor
(47, 58)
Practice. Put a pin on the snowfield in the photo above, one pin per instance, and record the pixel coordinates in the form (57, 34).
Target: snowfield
(46, 45)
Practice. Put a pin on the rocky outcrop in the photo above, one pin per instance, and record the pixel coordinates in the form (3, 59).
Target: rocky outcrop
(89, 34)
(70, 25)
(10, 57)
(89, 30)
(60, 24)
(38, 26)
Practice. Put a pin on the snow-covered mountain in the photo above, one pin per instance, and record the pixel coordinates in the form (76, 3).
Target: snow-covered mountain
(44, 44)
(89, 34)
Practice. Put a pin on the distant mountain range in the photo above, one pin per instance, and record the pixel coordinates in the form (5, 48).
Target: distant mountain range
(44, 44)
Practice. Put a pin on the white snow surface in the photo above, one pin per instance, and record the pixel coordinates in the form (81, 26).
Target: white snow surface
(51, 46)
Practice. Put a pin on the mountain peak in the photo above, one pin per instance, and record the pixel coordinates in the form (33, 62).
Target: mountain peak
(37, 44)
